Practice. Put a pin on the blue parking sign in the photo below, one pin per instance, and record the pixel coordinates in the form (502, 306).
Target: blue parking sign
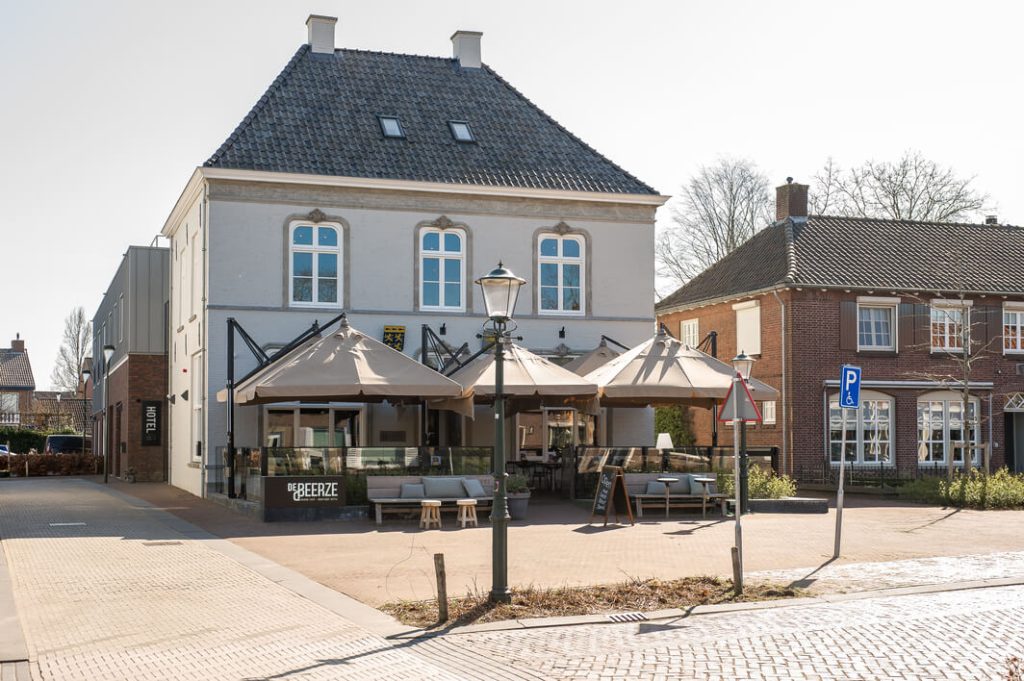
(849, 387)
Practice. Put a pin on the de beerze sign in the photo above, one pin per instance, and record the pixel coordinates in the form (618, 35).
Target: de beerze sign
(303, 492)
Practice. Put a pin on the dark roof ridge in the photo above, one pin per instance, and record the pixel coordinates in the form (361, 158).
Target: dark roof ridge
(258, 106)
(568, 132)
(941, 223)
(791, 261)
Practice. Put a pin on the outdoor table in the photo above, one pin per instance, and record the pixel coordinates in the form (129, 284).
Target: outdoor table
(704, 482)
(667, 482)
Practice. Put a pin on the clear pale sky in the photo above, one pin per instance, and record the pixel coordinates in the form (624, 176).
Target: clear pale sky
(107, 107)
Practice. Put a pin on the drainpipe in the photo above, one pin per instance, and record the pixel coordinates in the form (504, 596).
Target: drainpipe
(782, 396)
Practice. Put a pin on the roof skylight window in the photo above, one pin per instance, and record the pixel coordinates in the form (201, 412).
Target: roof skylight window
(390, 126)
(461, 132)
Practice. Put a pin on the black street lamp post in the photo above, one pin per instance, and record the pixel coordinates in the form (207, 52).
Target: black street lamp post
(500, 290)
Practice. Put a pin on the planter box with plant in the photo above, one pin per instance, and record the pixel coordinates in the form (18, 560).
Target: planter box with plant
(518, 496)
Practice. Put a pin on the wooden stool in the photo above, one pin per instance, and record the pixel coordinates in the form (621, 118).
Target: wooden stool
(430, 514)
(467, 512)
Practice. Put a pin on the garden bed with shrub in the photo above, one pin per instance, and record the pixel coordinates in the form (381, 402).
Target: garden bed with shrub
(50, 464)
(977, 489)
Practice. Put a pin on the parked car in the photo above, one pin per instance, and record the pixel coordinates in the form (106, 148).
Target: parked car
(67, 444)
(5, 450)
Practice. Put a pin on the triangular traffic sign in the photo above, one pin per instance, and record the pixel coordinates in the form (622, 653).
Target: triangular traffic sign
(748, 410)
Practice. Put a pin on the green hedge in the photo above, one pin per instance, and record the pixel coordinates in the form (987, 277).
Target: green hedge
(976, 489)
(21, 440)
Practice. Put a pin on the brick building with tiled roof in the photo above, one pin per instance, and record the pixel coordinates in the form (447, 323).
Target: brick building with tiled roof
(810, 293)
(16, 383)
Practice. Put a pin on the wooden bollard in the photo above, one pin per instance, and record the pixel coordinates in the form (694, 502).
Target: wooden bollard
(442, 588)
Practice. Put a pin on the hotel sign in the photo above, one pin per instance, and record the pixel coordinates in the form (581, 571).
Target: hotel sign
(151, 417)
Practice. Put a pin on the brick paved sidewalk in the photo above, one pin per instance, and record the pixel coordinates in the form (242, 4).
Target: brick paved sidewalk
(105, 590)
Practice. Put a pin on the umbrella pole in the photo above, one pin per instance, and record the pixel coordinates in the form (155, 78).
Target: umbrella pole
(500, 592)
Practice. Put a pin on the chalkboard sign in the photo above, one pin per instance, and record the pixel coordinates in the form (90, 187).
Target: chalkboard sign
(611, 495)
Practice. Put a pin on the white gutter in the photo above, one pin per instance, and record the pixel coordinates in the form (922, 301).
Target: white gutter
(782, 388)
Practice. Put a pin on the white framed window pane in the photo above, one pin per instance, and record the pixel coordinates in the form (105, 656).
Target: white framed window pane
(431, 294)
(302, 289)
(452, 243)
(327, 236)
(549, 297)
(302, 264)
(570, 248)
(431, 241)
(461, 131)
(548, 274)
(452, 271)
(453, 295)
(571, 299)
(303, 236)
(431, 269)
(571, 275)
(327, 265)
(549, 248)
(328, 291)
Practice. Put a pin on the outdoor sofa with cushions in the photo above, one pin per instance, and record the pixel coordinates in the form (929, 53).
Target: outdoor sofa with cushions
(645, 491)
(403, 493)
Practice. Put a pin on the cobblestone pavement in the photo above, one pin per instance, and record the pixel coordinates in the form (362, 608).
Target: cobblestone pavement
(112, 590)
(106, 590)
(950, 635)
(847, 577)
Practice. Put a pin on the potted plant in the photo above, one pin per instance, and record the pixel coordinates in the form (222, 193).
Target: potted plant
(518, 496)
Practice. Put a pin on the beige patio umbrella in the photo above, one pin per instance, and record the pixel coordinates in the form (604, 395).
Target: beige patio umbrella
(589, 361)
(529, 379)
(663, 371)
(348, 366)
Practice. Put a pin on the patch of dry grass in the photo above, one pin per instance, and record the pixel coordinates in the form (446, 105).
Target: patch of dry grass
(630, 596)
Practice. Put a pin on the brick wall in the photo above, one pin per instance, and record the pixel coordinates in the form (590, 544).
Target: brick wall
(140, 377)
(814, 356)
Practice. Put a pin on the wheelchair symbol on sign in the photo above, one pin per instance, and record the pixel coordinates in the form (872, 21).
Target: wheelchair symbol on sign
(849, 388)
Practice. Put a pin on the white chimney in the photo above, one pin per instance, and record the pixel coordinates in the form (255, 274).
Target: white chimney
(321, 33)
(466, 48)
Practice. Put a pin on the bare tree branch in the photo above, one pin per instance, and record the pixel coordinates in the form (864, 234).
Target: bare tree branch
(73, 349)
(912, 188)
(717, 210)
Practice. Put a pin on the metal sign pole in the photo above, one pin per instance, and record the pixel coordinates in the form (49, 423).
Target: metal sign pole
(839, 494)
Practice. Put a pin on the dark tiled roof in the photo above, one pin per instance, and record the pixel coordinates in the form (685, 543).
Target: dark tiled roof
(319, 117)
(757, 264)
(15, 370)
(74, 410)
(864, 253)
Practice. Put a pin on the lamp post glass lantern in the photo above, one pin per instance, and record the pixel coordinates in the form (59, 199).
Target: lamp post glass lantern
(500, 289)
(108, 353)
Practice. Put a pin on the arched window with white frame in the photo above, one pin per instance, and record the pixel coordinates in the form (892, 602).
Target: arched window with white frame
(869, 430)
(314, 265)
(561, 264)
(442, 269)
(944, 429)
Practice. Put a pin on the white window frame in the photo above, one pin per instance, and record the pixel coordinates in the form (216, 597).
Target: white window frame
(560, 262)
(443, 255)
(689, 332)
(1013, 310)
(768, 416)
(316, 250)
(195, 397)
(945, 306)
(751, 309)
(892, 306)
(296, 409)
(946, 398)
(858, 424)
